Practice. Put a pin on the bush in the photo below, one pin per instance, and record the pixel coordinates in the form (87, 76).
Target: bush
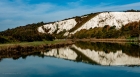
(27, 33)
(3, 40)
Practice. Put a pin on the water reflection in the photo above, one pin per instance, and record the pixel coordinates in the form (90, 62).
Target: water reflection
(87, 52)
(17, 52)
(65, 53)
(99, 53)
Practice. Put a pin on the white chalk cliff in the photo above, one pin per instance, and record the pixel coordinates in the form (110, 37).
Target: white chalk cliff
(117, 19)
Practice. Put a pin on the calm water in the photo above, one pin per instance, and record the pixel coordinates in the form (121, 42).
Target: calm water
(84, 59)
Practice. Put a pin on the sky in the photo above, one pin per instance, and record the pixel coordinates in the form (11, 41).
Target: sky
(14, 13)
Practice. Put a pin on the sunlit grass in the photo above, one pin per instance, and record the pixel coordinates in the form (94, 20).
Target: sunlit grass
(35, 43)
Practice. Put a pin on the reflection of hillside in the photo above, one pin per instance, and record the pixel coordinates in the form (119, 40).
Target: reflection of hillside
(65, 53)
(129, 49)
(69, 54)
(110, 58)
(93, 57)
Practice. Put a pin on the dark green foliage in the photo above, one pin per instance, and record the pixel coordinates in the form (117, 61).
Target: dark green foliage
(60, 35)
(99, 46)
(3, 40)
(27, 33)
(132, 10)
(98, 32)
(112, 32)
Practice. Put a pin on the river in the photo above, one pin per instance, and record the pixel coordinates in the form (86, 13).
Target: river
(82, 59)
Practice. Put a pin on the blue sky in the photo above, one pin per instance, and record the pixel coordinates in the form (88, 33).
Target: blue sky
(15, 13)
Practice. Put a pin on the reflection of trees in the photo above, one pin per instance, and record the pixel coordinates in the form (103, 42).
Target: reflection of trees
(132, 50)
(18, 51)
(0, 59)
(129, 49)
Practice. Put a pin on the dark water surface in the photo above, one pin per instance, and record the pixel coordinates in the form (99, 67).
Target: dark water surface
(83, 59)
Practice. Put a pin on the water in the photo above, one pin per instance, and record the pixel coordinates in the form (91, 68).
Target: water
(83, 59)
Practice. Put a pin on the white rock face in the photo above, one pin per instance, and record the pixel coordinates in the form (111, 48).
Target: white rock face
(117, 19)
(40, 29)
(106, 18)
(117, 58)
(60, 26)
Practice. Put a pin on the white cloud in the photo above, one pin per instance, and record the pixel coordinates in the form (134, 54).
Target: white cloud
(20, 12)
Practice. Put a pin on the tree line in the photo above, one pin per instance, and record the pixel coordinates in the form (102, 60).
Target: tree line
(27, 33)
(132, 10)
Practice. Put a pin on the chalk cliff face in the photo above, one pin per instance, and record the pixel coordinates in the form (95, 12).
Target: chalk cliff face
(59, 26)
(91, 56)
(72, 25)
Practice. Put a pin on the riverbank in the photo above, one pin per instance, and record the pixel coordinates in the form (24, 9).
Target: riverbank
(62, 42)
(16, 50)
(35, 43)
(107, 40)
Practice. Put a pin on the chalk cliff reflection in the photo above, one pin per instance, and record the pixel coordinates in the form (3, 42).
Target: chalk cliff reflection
(117, 57)
(65, 53)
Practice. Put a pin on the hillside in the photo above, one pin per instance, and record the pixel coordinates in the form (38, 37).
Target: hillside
(73, 25)
(27, 33)
(95, 25)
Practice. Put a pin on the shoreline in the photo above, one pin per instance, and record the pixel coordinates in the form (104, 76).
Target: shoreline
(42, 45)
(107, 40)
(17, 51)
(61, 43)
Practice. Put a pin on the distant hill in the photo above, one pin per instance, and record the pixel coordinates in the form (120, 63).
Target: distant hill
(95, 25)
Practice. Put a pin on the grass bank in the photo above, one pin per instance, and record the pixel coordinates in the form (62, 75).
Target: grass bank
(35, 43)
(16, 50)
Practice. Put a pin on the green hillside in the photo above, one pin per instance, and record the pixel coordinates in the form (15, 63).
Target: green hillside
(26, 33)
